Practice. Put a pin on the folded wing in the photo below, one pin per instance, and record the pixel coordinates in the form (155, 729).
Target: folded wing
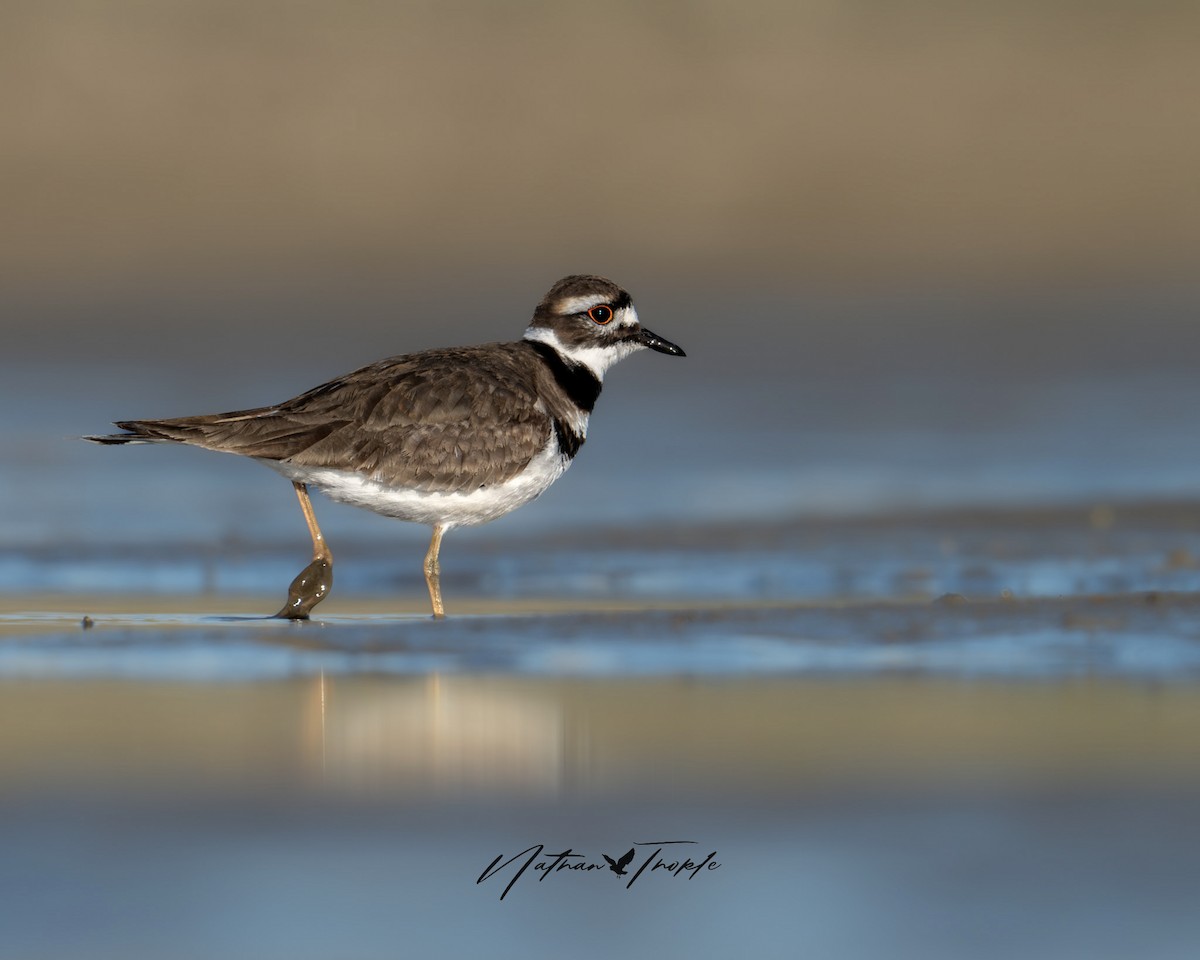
(441, 420)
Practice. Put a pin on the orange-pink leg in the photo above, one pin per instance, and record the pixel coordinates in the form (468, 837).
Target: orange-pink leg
(433, 573)
(313, 583)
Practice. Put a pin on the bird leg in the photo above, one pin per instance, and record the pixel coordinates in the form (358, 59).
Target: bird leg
(433, 572)
(313, 583)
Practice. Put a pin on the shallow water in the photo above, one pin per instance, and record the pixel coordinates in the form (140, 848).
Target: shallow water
(899, 776)
(343, 815)
(918, 657)
(1143, 637)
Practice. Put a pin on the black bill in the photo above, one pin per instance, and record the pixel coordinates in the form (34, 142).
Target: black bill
(655, 342)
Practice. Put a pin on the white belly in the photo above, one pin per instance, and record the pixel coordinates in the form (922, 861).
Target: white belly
(445, 509)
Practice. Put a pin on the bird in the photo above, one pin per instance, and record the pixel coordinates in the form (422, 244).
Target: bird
(448, 437)
(618, 866)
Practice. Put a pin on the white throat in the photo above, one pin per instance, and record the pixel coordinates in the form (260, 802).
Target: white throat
(596, 359)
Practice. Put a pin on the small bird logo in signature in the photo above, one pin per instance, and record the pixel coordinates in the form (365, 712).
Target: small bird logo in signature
(618, 866)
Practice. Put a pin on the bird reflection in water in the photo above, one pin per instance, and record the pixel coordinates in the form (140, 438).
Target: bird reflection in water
(433, 736)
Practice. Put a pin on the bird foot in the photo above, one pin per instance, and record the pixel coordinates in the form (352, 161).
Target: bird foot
(311, 586)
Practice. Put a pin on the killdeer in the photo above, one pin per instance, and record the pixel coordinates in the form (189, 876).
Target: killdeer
(447, 438)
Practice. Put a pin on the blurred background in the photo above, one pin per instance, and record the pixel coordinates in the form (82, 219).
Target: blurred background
(771, 149)
(920, 254)
(935, 267)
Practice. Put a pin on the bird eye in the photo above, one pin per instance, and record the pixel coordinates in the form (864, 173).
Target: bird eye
(601, 314)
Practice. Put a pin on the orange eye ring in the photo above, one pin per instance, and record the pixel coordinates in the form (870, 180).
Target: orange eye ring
(601, 313)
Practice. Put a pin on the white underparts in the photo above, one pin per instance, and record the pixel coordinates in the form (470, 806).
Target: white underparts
(445, 509)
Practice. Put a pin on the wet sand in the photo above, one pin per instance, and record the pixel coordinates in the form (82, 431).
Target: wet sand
(1139, 637)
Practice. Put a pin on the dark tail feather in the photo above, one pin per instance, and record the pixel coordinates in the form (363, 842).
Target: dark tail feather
(117, 438)
(137, 431)
(263, 433)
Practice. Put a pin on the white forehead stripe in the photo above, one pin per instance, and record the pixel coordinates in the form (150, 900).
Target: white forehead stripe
(580, 304)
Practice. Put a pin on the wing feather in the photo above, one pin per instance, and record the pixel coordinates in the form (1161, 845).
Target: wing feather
(451, 419)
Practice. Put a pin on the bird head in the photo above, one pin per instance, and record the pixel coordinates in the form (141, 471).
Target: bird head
(591, 321)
